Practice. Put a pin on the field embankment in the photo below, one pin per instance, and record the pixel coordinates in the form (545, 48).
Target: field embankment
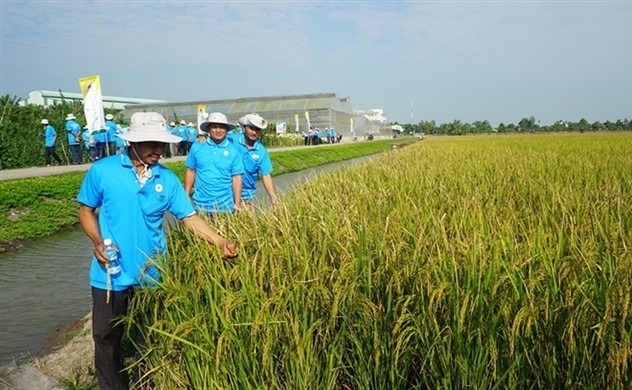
(42, 206)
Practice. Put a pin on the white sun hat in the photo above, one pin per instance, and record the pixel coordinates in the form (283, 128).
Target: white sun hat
(44, 121)
(256, 120)
(242, 121)
(70, 117)
(147, 127)
(109, 117)
(217, 118)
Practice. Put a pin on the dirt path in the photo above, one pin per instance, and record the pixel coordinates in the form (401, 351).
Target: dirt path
(70, 358)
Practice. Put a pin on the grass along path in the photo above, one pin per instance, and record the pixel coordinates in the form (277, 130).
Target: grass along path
(41, 206)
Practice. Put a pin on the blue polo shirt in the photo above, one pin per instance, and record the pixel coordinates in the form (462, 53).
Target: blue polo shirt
(191, 133)
(49, 135)
(74, 130)
(256, 160)
(132, 216)
(236, 135)
(110, 131)
(214, 165)
(181, 131)
(99, 135)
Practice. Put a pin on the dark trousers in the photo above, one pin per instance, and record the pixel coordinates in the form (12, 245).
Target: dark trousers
(107, 334)
(182, 148)
(49, 151)
(75, 151)
(99, 150)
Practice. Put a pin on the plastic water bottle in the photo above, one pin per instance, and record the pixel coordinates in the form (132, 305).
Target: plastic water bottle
(114, 266)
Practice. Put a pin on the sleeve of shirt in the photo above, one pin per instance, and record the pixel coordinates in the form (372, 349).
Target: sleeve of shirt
(90, 193)
(190, 161)
(181, 206)
(266, 165)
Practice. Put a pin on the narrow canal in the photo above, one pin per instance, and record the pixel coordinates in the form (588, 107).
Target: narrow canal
(45, 284)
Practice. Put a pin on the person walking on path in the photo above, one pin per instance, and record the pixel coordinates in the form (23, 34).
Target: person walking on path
(110, 134)
(100, 140)
(214, 169)
(183, 145)
(256, 160)
(50, 140)
(88, 142)
(192, 133)
(132, 192)
(74, 139)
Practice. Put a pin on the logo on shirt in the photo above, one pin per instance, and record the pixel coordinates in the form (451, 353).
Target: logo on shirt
(158, 187)
(226, 153)
(255, 157)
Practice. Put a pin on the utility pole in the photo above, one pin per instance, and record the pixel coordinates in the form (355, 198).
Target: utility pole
(412, 111)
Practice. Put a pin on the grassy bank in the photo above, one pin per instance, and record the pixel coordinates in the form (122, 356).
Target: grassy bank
(42, 206)
(482, 262)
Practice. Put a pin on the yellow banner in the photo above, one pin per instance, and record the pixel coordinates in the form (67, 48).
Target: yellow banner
(92, 103)
(296, 121)
(309, 125)
(201, 116)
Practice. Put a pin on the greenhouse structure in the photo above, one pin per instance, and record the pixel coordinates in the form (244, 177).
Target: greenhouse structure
(298, 112)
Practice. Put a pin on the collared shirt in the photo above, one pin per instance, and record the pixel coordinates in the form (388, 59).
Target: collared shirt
(110, 131)
(88, 139)
(49, 135)
(132, 216)
(181, 131)
(99, 135)
(191, 133)
(214, 165)
(256, 160)
(74, 130)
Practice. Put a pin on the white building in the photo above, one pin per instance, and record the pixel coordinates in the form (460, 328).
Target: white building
(45, 98)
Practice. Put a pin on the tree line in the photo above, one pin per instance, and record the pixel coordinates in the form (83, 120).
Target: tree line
(22, 134)
(525, 125)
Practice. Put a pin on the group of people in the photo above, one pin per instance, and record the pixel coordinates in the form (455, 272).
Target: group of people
(222, 170)
(188, 134)
(315, 136)
(97, 144)
(133, 191)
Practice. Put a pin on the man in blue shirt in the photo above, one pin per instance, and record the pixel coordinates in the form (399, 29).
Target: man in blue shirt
(110, 134)
(192, 133)
(215, 168)
(100, 143)
(132, 192)
(256, 160)
(74, 139)
(88, 142)
(50, 140)
(181, 131)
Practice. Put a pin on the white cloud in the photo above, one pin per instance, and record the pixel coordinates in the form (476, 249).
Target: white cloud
(444, 55)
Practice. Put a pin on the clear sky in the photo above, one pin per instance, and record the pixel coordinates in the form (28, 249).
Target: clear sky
(468, 60)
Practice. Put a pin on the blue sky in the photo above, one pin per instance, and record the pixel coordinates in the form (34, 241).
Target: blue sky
(467, 60)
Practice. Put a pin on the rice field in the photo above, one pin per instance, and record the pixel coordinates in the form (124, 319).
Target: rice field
(456, 262)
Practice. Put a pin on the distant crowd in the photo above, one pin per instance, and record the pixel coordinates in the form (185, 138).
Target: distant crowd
(315, 136)
(107, 141)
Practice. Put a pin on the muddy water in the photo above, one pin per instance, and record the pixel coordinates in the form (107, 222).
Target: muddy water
(44, 285)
